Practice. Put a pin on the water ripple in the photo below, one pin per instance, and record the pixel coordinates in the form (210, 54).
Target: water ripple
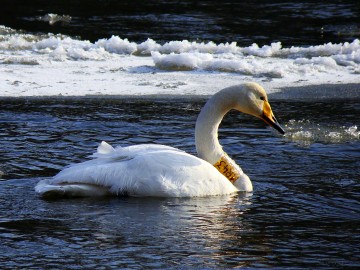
(304, 212)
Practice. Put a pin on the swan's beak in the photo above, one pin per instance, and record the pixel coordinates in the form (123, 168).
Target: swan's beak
(269, 118)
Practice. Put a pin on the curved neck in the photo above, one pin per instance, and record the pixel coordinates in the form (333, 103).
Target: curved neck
(207, 125)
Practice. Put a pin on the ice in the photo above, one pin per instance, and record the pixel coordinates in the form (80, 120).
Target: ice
(187, 46)
(147, 47)
(265, 51)
(117, 45)
(182, 61)
(192, 61)
(48, 64)
(323, 63)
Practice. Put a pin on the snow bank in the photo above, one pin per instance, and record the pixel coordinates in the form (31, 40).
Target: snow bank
(51, 64)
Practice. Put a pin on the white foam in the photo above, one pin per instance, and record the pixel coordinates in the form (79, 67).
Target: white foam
(52, 18)
(305, 132)
(49, 64)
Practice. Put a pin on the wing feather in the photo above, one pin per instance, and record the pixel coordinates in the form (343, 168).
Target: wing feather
(147, 170)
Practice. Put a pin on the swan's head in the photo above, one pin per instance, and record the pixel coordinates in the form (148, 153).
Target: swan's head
(253, 100)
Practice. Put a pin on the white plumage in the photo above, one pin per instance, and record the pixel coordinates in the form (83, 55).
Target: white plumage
(163, 171)
(139, 170)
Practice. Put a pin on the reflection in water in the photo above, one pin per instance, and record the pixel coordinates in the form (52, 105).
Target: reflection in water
(304, 212)
(129, 232)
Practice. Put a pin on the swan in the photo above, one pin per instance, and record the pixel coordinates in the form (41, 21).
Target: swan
(164, 171)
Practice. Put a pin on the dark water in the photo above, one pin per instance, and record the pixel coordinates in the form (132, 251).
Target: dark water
(260, 21)
(304, 212)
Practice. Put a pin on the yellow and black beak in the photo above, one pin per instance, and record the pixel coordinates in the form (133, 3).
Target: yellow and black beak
(269, 117)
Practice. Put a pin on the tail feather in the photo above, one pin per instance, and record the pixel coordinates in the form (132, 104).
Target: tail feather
(105, 148)
(48, 190)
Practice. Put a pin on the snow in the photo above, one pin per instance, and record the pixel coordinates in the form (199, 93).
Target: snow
(117, 45)
(51, 65)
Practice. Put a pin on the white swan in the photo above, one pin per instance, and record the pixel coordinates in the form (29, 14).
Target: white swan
(163, 171)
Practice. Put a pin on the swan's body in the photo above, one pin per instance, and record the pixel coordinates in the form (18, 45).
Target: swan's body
(163, 171)
(141, 170)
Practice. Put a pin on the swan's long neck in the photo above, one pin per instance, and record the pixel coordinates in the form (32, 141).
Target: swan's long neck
(207, 125)
(206, 133)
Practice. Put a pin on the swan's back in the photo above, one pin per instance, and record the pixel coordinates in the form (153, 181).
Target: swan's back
(140, 170)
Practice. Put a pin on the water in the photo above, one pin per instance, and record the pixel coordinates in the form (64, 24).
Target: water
(260, 21)
(304, 212)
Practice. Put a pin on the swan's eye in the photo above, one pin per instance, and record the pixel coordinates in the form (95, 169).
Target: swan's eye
(262, 98)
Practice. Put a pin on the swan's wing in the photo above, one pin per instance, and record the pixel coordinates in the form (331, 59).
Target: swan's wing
(147, 170)
(105, 150)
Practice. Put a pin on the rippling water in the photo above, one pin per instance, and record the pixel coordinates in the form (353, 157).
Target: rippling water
(304, 211)
(260, 21)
